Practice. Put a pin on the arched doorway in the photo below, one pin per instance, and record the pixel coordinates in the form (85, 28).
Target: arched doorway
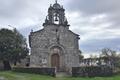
(55, 61)
(57, 57)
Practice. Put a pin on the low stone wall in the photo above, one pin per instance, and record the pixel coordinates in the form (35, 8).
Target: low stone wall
(42, 71)
(92, 71)
(1, 66)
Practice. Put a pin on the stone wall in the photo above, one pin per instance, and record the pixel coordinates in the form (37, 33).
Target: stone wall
(92, 71)
(1, 65)
(41, 42)
(42, 71)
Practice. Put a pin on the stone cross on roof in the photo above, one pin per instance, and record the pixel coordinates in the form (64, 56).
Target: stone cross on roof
(56, 1)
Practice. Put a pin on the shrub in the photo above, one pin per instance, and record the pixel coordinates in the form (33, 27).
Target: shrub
(92, 71)
(42, 71)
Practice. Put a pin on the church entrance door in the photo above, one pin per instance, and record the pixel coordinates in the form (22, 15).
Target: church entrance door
(55, 61)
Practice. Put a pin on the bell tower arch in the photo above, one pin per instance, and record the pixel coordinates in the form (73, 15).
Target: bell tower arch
(56, 15)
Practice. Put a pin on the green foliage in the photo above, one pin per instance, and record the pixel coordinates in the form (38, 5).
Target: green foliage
(24, 76)
(42, 71)
(92, 71)
(12, 45)
(111, 55)
(108, 53)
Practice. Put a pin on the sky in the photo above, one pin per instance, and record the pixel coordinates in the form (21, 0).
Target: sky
(96, 21)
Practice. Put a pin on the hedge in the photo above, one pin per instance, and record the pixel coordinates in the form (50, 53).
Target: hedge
(92, 71)
(42, 71)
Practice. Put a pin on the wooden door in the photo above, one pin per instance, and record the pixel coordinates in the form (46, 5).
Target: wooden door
(55, 61)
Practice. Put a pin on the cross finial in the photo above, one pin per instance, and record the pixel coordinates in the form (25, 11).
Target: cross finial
(56, 1)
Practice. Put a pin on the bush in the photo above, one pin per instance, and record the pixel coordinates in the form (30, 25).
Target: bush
(92, 71)
(42, 71)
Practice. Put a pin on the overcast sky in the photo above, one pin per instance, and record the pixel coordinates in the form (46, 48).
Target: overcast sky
(96, 21)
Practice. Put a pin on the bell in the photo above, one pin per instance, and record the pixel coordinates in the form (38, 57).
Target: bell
(56, 19)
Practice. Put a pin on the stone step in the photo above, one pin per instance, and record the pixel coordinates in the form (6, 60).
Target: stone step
(62, 74)
(2, 78)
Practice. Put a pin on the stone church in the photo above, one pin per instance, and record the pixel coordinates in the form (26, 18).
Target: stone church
(55, 45)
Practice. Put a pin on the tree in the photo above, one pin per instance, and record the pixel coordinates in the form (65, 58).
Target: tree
(112, 56)
(108, 52)
(12, 47)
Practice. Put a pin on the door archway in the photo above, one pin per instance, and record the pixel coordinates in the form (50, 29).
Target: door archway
(57, 57)
(55, 61)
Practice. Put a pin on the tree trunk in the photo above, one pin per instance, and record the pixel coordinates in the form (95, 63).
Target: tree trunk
(6, 65)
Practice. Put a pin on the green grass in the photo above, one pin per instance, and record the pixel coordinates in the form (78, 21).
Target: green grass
(8, 75)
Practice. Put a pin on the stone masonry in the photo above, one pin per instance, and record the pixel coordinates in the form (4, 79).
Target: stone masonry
(55, 45)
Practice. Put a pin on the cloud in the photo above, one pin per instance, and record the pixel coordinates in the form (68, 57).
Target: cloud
(97, 44)
(96, 21)
(94, 6)
(97, 7)
(22, 13)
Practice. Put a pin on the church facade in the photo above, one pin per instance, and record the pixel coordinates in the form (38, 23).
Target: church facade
(55, 45)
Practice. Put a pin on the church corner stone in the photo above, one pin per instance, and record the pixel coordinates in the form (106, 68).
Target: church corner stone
(55, 45)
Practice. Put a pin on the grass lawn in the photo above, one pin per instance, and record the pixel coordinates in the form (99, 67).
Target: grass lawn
(8, 75)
